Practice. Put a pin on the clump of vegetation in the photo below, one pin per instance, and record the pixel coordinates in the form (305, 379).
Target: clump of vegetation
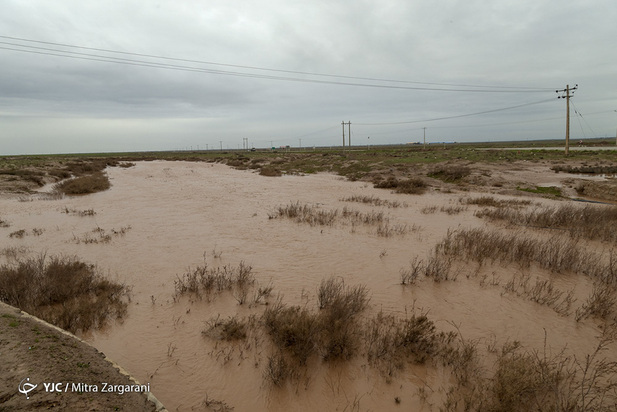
(270, 171)
(82, 185)
(390, 341)
(333, 331)
(490, 201)
(18, 234)
(410, 275)
(450, 173)
(540, 381)
(375, 201)
(86, 212)
(594, 222)
(4, 223)
(597, 169)
(599, 305)
(229, 329)
(542, 190)
(543, 292)
(315, 216)
(414, 186)
(35, 176)
(557, 254)
(100, 235)
(64, 291)
(207, 281)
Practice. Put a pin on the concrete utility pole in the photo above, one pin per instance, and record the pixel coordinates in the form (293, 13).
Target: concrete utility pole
(615, 133)
(424, 138)
(349, 129)
(568, 93)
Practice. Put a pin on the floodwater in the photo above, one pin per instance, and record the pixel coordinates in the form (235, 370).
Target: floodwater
(178, 215)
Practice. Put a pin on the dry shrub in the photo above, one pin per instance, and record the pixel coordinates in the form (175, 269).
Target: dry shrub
(293, 330)
(489, 201)
(391, 342)
(415, 186)
(315, 216)
(589, 222)
(18, 233)
(206, 281)
(600, 304)
(450, 173)
(557, 254)
(64, 291)
(543, 292)
(375, 201)
(270, 171)
(532, 381)
(410, 275)
(439, 268)
(333, 331)
(278, 370)
(228, 329)
(96, 182)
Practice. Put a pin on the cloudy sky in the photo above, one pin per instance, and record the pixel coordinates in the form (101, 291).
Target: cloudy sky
(133, 75)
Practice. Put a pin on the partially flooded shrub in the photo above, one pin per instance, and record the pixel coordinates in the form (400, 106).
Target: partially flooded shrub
(204, 281)
(64, 291)
(589, 222)
(96, 182)
(228, 329)
(292, 329)
(600, 304)
(391, 342)
(410, 275)
(277, 369)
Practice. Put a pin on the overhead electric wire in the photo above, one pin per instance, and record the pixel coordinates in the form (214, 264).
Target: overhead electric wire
(457, 116)
(580, 116)
(447, 87)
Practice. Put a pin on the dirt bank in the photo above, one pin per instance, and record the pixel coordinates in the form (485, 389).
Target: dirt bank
(41, 354)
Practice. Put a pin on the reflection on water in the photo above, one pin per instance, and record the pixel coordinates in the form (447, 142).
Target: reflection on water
(186, 214)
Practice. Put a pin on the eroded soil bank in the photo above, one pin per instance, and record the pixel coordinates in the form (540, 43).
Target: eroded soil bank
(161, 220)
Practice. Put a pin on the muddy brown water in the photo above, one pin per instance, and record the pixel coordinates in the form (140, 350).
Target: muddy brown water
(178, 215)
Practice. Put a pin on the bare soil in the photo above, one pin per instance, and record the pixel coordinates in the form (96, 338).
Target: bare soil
(31, 349)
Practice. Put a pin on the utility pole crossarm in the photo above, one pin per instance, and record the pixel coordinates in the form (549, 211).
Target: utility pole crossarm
(566, 94)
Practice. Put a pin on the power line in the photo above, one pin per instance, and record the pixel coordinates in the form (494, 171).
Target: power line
(448, 87)
(457, 116)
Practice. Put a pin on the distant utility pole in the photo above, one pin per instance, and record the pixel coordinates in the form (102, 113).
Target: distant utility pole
(221, 142)
(567, 93)
(615, 133)
(349, 129)
(424, 137)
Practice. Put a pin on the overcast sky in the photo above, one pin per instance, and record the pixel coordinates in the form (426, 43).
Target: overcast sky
(133, 75)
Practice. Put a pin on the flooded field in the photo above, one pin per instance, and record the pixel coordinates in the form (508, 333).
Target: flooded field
(161, 220)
